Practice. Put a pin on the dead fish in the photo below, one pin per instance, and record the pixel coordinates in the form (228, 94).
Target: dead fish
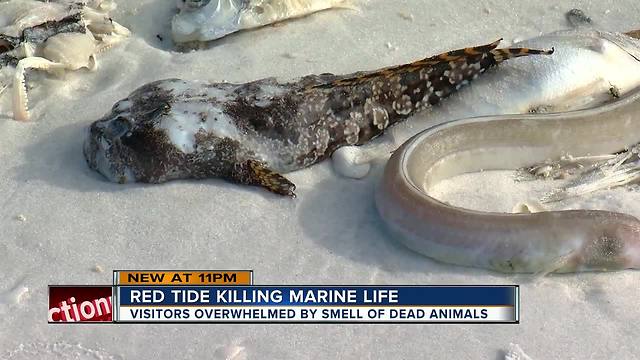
(252, 133)
(589, 68)
(206, 20)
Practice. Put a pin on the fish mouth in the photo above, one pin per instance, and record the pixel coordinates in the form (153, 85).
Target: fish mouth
(206, 20)
(103, 153)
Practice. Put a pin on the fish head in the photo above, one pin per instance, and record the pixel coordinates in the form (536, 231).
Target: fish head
(105, 147)
(205, 20)
(126, 145)
(164, 130)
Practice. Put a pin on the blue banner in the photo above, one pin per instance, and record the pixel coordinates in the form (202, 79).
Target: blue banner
(318, 295)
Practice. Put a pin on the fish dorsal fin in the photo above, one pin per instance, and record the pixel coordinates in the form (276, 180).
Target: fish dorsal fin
(453, 55)
(470, 54)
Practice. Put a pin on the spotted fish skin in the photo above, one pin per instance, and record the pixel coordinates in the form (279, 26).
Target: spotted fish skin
(252, 133)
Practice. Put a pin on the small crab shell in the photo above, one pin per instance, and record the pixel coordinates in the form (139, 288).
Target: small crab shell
(206, 20)
(52, 36)
(101, 24)
(75, 50)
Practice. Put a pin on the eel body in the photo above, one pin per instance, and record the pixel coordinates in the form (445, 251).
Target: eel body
(251, 133)
(560, 241)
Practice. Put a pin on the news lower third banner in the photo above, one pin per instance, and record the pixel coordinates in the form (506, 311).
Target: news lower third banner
(231, 297)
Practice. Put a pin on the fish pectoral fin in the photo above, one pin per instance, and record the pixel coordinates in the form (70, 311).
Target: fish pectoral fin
(253, 172)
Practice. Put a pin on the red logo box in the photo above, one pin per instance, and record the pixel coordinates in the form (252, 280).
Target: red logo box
(70, 304)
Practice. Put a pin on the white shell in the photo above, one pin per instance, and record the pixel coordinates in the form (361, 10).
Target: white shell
(204, 20)
(75, 50)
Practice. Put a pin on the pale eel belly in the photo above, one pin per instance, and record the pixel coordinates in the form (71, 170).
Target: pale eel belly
(548, 241)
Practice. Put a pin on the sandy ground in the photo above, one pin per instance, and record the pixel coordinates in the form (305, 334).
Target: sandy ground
(59, 220)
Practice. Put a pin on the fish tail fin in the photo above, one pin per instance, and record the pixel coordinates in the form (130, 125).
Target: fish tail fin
(464, 53)
(457, 68)
(634, 34)
(477, 53)
(500, 55)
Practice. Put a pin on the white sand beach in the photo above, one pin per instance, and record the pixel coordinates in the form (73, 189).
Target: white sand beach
(62, 223)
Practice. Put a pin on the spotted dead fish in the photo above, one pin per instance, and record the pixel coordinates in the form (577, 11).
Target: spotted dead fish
(252, 133)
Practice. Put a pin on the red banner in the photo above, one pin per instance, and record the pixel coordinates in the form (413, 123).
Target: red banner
(80, 304)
